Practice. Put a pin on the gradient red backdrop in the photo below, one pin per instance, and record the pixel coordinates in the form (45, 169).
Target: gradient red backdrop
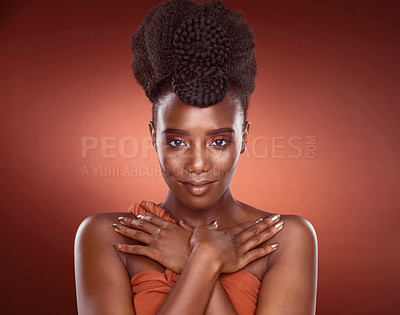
(327, 69)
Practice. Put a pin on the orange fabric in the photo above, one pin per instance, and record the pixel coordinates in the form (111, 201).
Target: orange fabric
(150, 288)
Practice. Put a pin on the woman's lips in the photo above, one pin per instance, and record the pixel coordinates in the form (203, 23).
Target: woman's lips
(198, 190)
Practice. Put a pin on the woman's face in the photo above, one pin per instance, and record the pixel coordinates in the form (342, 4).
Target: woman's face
(198, 148)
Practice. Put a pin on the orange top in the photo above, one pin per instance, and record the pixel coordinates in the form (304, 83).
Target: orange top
(150, 288)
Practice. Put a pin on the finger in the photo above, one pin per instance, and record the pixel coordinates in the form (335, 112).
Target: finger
(186, 226)
(134, 249)
(139, 224)
(259, 252)
(243, 226)
(156, 220)
(213, 225)
(133, 234)
(259, 227)
(258, 234)
(263, 224)
(262, 237)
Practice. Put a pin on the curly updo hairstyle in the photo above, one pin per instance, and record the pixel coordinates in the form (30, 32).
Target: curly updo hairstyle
(198, 50)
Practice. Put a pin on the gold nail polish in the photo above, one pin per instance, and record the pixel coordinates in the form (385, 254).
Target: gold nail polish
(279, 225)
(259, 220)
(214, 224)
(275, 217)
(274, 245)
(139, 216)
(117, 246)
(122, 219)
(116, 226)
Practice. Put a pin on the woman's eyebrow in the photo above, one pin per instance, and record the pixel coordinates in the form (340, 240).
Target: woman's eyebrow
(220, 130)
(184, 132)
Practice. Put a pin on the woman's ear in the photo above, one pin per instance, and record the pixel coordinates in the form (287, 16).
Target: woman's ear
(245, 136)
(152, 130)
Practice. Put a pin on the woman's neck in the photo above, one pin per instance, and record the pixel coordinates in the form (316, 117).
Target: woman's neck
(223, 210)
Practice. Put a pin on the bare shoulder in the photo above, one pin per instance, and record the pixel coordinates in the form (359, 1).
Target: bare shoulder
(290, 284)
(102, 281)
(297, 238)
(98, 228)
(101, 220)
(297, 227)
(101, 224)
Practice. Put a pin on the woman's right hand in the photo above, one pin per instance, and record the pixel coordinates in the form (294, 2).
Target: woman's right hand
(236, 247)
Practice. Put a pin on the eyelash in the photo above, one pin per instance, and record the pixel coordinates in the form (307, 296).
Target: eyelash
(172, 140)
(226, 140)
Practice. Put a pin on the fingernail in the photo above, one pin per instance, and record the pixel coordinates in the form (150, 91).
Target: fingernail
(274, 245)
(122, 219)
(215, 223)
(116, 226)
(279, 225)
(117, 246)
(181, 221)
(275, 217)
(139, 216)
(259, 220)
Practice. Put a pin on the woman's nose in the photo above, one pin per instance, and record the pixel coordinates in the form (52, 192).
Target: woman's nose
(198, 161)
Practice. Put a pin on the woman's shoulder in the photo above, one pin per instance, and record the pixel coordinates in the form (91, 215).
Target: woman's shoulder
(97, 229)
(296, 223)
(101, 220)
(101, 223)
(297, 231)
(297, 239)
(297, 228)
(100, 270)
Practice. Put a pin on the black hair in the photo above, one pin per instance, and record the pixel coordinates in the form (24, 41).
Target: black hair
(198, 50)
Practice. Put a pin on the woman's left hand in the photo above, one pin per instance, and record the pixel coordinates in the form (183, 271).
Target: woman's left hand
(167, 242)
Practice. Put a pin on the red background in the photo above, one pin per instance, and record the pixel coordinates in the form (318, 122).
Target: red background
(326, 68)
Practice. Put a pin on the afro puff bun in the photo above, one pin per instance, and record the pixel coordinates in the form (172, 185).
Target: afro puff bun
(198, 50)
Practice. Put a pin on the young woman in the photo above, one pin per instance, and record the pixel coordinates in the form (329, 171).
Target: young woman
(200, 251)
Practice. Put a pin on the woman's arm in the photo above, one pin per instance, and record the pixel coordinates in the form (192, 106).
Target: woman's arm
(213, 252)
(102, 281)
(170, 247)
(167, 243)
(192, 291)
(290, 285)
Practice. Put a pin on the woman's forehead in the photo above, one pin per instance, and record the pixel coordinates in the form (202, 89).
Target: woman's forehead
(174, 113)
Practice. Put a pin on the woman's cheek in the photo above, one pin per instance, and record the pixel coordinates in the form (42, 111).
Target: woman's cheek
(170, 165)
(224, 162)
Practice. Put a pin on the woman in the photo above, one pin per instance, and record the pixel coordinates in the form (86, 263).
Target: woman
(200, 251)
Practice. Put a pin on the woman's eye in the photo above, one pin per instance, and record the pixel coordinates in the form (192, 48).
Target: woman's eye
(220, 142)
(176, 143)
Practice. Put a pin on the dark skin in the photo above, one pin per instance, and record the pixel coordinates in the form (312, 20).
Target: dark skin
(199, 143)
